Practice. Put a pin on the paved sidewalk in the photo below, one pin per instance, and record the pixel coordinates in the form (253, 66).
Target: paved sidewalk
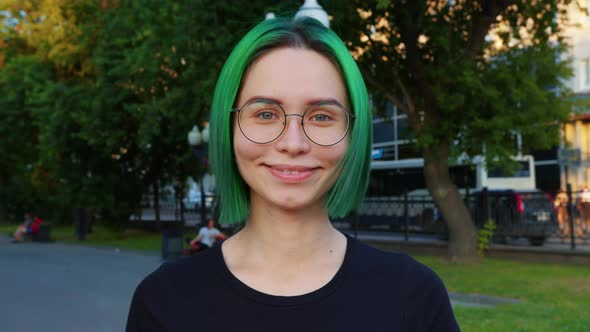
(60, 288)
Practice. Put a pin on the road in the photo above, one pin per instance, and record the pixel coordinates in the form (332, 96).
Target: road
(60, 288)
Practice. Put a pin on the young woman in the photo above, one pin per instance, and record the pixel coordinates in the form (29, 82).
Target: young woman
(290, 145)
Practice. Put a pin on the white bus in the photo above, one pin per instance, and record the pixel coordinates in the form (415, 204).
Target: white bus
(395, 177)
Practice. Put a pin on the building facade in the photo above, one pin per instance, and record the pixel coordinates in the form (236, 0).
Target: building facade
(576, 133)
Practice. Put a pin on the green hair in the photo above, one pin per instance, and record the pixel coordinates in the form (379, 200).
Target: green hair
(348, 191)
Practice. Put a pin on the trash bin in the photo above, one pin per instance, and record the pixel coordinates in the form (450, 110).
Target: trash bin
(172, 243)
(81, 223)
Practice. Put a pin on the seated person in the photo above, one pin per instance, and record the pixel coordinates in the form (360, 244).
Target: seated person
(25, 228)
(207, 237)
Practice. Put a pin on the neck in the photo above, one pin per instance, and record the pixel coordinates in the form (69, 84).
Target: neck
(277, 233)
(285, 252)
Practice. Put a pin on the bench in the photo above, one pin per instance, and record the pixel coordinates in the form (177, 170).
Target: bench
(43, 234)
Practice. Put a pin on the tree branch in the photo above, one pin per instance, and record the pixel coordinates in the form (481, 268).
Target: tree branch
(406, 105)
(386, 93)
(409, 32)
(410, 108)
(482, 23)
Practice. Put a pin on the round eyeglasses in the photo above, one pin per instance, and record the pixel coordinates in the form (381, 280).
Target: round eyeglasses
(263, 121)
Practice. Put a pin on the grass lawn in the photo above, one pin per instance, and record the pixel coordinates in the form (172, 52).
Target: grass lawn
(553, 297)
(103, 236)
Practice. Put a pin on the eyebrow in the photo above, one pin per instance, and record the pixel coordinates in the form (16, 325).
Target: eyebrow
(308, 103)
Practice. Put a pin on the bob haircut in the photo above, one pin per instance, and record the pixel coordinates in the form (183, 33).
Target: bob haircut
(348, 191)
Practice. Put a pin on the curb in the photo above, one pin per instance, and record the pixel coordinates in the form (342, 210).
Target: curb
(517, 253)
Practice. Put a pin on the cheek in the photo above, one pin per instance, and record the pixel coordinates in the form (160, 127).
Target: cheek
(339, 155)
(245, 152)
(337, 152)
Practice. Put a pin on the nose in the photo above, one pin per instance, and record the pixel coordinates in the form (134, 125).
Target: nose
(293, 140)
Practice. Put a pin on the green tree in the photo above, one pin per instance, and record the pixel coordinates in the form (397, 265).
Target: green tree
(60, 37)
(21, 80)
(166, 56)
(126, 82)
(467, 74)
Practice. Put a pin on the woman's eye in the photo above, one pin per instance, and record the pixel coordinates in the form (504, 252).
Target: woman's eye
(320, 117)
(266, 115)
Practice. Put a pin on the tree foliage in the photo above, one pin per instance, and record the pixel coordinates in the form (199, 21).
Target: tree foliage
(108, 91)
(21, 81)
(468, 75)
(96, 96)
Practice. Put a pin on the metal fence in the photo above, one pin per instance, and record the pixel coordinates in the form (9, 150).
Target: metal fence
(399, 214)
(538, 220)
(529, 215)
(173, 210)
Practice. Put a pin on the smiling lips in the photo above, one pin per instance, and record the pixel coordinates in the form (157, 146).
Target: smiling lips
(291, 174)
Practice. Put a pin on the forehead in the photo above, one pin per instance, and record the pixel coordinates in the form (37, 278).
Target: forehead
(293, 75)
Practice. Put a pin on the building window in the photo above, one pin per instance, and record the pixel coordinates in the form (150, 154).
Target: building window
(392, 137)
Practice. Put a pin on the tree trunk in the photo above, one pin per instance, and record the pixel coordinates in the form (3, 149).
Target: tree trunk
(90, 216)
(462, 231)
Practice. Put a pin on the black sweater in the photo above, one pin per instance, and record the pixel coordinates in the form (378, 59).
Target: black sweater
(373, 291)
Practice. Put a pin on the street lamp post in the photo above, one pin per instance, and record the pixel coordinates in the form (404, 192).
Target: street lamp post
(313, 9)
(198, 142)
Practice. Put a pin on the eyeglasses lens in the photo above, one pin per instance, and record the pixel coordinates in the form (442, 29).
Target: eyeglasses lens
(323, 123)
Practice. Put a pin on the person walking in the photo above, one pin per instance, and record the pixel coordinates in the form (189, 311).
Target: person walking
(561, 201)
(584, 212)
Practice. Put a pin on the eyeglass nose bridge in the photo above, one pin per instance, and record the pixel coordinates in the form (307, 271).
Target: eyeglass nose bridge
(293, 114)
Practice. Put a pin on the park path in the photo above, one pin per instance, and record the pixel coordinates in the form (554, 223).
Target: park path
(57, 287)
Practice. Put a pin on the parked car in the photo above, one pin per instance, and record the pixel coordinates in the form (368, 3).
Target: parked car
(529, 214)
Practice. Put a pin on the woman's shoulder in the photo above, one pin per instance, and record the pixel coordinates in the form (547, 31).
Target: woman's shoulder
(184, 274)
(396, 280)
(176, 289)
(391, 265)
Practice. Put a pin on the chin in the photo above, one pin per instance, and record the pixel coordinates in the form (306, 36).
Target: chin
(292, 204)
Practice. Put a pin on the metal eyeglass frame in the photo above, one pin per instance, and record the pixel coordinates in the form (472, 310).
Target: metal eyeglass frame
(349, 116)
